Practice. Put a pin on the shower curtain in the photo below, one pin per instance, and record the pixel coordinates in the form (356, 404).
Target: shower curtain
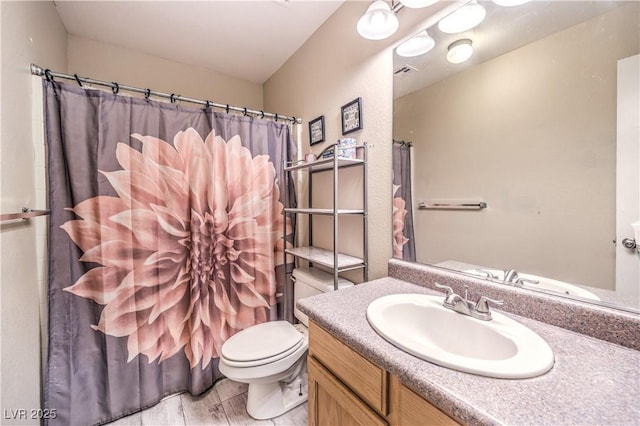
(403, 239)
(165, 239)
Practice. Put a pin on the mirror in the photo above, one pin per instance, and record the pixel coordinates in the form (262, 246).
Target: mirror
(535, 125)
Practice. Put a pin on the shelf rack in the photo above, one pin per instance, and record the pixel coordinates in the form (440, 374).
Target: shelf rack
(333, 259)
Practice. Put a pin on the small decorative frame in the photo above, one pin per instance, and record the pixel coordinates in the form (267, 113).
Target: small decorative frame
(316, 130)
(352, 116)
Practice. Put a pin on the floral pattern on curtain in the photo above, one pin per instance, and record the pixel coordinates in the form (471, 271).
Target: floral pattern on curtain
(183, 229)
(166, 239)
(403, 234)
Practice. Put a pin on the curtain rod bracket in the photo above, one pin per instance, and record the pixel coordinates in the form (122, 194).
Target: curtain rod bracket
(36, 70)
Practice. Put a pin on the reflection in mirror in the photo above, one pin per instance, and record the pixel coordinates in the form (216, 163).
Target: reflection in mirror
(537, 125)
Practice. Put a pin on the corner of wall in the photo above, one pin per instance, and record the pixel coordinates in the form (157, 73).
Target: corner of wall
(32, 32)
(317, 80)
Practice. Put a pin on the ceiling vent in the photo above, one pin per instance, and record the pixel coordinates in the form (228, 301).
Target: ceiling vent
(404, 70)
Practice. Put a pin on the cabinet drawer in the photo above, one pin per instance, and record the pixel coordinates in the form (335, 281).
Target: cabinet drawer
(367, 380)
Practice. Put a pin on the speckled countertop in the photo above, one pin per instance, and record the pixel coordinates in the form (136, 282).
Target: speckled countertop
(593, 382)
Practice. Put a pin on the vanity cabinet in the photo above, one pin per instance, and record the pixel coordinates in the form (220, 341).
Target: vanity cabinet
(346, 388)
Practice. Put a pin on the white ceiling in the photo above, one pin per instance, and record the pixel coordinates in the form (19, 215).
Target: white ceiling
(246, 39)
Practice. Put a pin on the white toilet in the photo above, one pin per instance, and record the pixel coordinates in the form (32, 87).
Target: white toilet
(272, 357)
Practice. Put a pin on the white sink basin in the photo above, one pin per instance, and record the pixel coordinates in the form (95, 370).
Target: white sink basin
(543, 284)
(421, 326)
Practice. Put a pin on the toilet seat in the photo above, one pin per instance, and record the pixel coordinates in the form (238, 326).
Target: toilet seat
(263, 361)
(261, 344)
(269, 372)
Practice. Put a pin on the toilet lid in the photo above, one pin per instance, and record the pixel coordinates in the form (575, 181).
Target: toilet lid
(261, 341)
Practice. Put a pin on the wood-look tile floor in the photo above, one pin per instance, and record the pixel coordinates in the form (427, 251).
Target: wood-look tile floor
(224, 404)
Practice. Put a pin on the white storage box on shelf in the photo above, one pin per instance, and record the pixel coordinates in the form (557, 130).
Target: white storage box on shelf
(310, 282)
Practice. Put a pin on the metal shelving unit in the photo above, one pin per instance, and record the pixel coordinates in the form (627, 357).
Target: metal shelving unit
(333, 259)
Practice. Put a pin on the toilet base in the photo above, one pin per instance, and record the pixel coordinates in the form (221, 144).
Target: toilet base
(269, 400)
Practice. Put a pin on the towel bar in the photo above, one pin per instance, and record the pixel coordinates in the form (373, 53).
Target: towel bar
(26, 213)
(473, 205)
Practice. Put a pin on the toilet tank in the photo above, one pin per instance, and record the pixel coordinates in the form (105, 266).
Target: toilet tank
(310, 282)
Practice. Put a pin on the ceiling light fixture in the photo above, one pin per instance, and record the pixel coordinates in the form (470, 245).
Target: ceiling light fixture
(417, 45)
(378, 22)
(459, 51)
(509, 2)
(463, 19)
(416, 4)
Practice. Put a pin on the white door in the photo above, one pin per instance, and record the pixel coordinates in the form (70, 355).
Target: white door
(628, 176)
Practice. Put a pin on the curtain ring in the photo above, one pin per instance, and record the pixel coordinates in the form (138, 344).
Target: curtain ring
(147, 93)
(276, 118)
(173, 98)
(245, 111)
(78, 80)
(227, 108)
(47, 74)
(261, 114)
(208, 104)
(115, 88)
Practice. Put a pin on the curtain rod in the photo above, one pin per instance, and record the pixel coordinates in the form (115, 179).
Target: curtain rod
(115, 87)
(403, 143)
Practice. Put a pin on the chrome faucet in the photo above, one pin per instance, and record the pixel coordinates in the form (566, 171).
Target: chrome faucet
(457, 303)
(511, 277)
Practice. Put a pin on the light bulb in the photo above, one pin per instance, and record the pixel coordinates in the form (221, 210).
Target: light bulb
(459, 51)
(417, 45)
(462, 19)
(378, 22)
(377, 19)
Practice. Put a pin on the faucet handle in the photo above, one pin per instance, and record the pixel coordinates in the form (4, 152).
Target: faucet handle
(448, 290)
(527, 281)
(482, 306)
(488, 274)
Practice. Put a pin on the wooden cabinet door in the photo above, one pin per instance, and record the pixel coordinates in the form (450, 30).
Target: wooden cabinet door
(410, 409)
(332, 403)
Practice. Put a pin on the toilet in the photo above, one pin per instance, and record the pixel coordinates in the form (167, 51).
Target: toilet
(272, 357)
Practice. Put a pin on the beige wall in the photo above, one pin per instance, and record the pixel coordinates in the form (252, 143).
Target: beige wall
(332, 68)
(532, 133)
(108, 62)
(31, 33)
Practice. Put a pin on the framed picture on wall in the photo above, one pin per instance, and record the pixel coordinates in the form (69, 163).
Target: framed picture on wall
(352, 116)
(316, 130)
